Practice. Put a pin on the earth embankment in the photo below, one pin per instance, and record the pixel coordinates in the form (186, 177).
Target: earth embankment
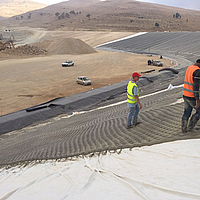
(66, 46)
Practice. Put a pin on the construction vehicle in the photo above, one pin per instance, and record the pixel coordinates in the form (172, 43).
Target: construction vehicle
(9, 44)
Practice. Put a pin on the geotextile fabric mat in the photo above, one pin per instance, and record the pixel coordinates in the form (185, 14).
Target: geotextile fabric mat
(100, 130)
(166, 171)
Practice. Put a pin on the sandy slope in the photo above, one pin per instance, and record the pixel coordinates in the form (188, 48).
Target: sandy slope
(27, 82)
(17, 7)
(66, 46)
(115, 15)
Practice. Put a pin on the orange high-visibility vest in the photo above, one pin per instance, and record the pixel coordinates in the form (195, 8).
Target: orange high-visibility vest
(189, 81)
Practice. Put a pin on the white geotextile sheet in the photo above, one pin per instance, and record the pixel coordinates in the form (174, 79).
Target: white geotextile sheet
(169, 171)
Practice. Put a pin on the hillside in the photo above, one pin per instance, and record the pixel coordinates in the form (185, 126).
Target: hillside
(115, 15)
(11, 8)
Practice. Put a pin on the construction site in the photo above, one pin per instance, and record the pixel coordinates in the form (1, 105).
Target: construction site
(60, 140)
(93, 123)
(63, 140)
(43, 51)
(6, 45)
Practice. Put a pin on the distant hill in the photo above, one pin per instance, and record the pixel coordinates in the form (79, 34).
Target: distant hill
(11, 8)
(111, 15)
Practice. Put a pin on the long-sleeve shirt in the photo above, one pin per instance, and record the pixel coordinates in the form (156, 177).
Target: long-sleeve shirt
(196, 77)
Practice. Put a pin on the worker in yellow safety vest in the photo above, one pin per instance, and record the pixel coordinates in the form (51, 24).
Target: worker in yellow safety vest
(191, 90)
(133, 101)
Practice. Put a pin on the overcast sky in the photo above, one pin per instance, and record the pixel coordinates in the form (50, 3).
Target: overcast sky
(190, 4)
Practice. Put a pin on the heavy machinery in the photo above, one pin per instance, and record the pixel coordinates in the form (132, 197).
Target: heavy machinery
(8, 44)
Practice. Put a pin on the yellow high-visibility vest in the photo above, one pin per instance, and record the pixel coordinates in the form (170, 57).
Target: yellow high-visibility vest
(130, 95)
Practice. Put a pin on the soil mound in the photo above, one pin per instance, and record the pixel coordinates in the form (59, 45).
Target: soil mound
(66, 46)
(26, 50)
(55, 47)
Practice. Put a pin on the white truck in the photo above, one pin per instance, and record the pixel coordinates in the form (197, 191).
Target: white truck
(68, 63)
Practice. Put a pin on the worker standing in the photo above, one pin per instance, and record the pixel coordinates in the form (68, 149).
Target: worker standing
(191, 96)
(133, 101)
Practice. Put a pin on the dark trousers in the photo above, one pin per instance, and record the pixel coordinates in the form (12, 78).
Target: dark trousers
(189, 105)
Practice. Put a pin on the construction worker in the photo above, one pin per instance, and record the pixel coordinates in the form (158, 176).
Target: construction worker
(133, 101)
(191, 96)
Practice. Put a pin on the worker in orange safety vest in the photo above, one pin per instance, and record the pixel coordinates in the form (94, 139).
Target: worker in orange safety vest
(191, 90)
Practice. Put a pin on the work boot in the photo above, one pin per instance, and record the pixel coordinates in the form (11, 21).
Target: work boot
(192, 123)
(137, 123)
(130, 126)
(184, 126)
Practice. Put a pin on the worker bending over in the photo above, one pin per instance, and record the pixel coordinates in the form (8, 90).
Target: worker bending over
(191, 97)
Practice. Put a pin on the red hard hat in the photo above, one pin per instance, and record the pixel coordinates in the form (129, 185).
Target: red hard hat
(135, 74)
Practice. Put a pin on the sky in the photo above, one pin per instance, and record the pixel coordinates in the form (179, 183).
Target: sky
(188, 4)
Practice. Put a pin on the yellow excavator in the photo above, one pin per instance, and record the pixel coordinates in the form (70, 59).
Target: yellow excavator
(9, 44)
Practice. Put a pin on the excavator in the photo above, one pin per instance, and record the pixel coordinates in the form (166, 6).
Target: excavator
(9, 44)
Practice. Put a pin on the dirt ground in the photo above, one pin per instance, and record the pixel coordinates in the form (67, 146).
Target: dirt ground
(27, 81)
(17, 7)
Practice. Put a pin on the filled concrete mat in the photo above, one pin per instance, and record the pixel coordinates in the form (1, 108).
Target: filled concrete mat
(185, 44)
(157, 82)
(99, 130)
(144, 42)
(77, 102)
